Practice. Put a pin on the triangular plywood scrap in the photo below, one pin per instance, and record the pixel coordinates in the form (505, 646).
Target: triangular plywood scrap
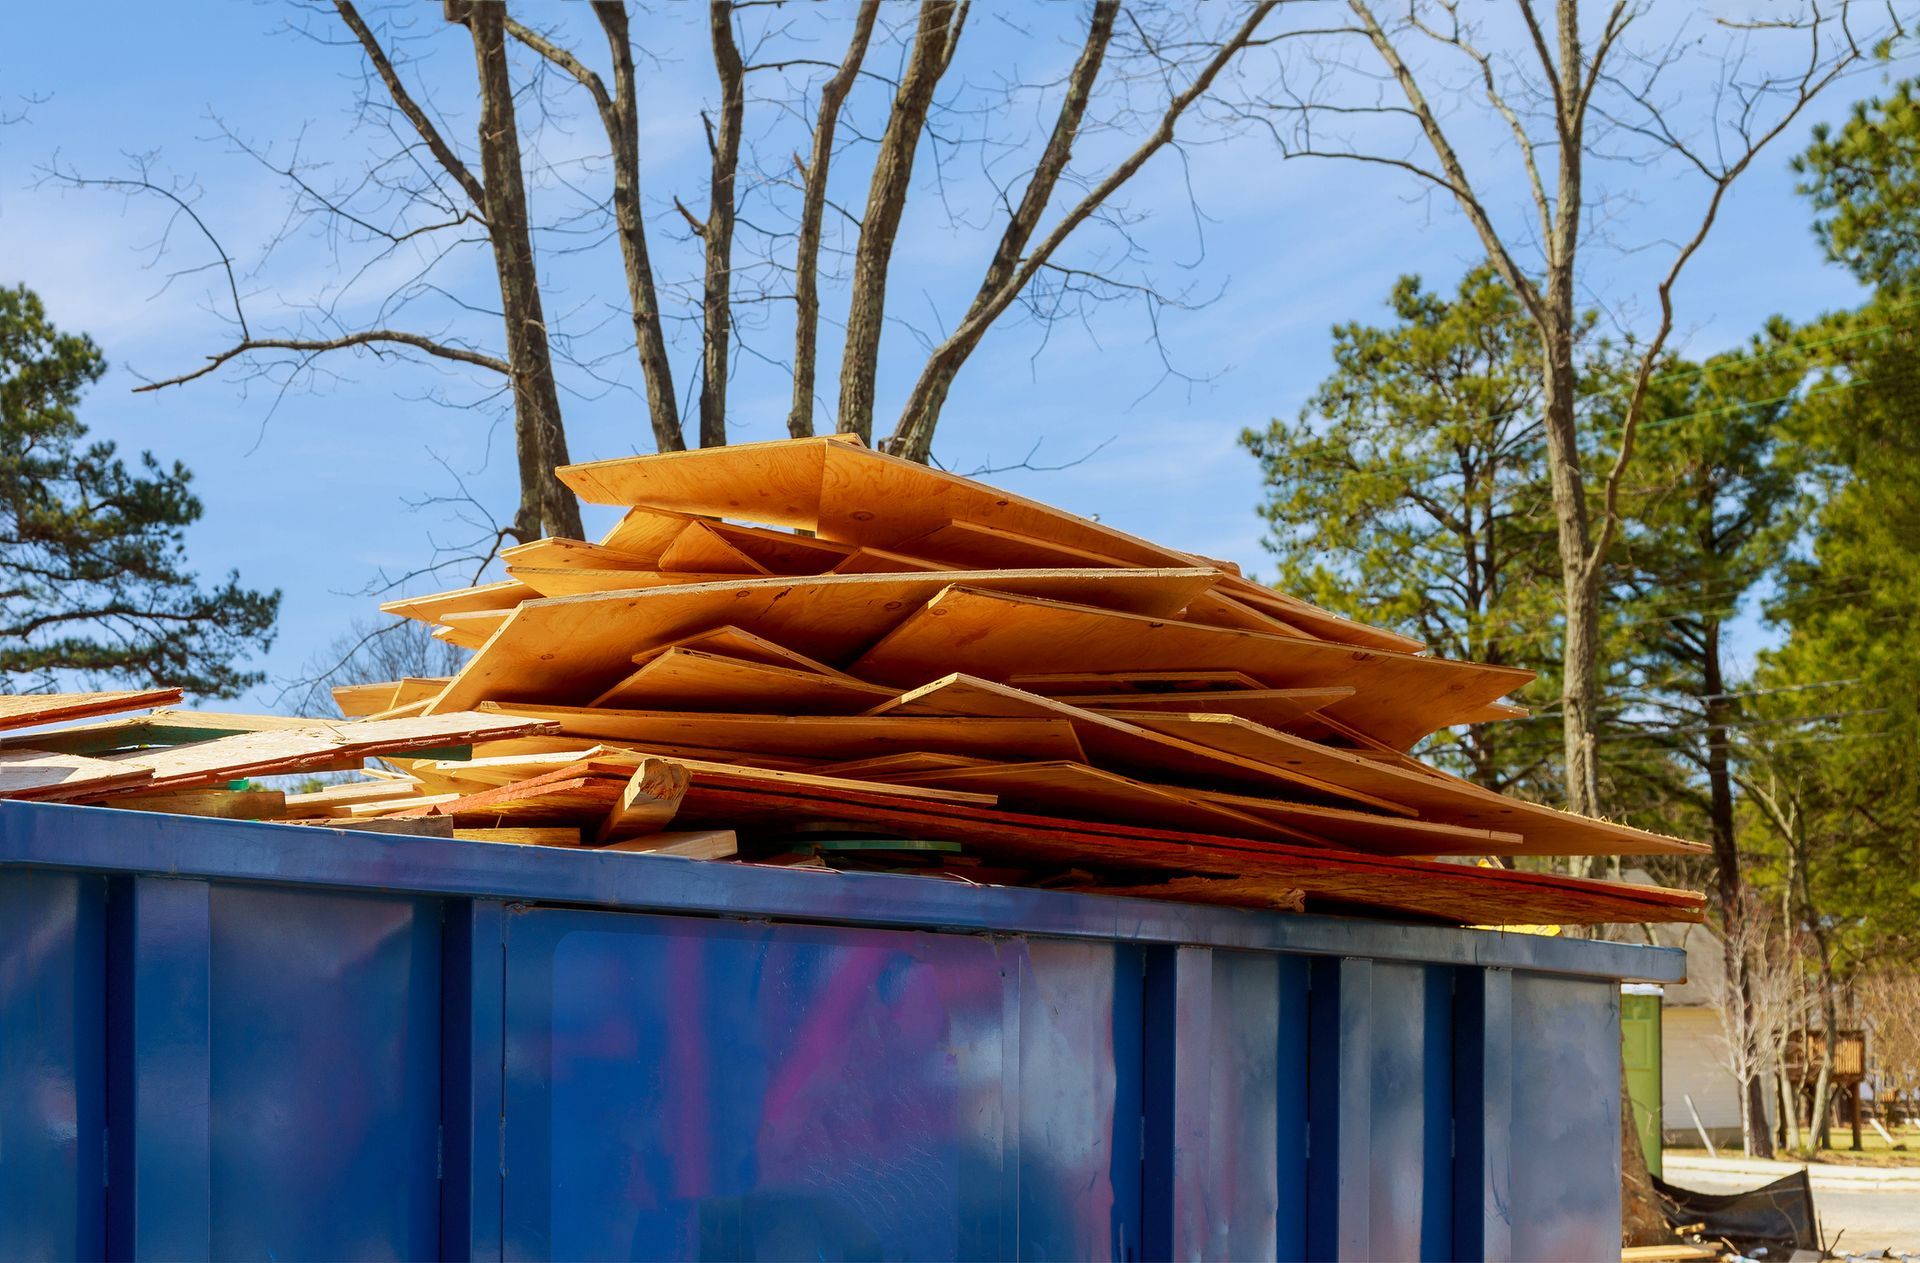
(734, 642)
(574, 648)
(27, 710)
(699, 549)
(687, 679)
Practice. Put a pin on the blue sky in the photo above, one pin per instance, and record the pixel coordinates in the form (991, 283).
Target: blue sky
(309, 491)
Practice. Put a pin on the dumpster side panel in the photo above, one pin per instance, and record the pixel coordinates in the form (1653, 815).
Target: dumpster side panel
(52, 1073)
(324, 1071)
(1566, 1118)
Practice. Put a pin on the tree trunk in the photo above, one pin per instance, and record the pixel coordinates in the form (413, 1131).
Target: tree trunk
(1755, 1138)
(813, 206)
(1580, 677)
(540, 439)
(933, 42)
(717, 305)
(1829, 1037)
(623, 136)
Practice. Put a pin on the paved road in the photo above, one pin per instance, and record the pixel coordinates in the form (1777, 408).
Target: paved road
(1865, 1213)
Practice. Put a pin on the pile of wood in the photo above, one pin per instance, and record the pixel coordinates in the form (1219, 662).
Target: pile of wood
(806, 652)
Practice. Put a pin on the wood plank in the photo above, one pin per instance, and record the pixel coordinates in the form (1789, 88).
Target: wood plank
(1077, 791)
(1081, 683)
(699, 549)
(837, 736)
(646, 532)
(585, 582)
(571, 649)
(314, 745)
(161, 728)
(25, 710)
(49, 775)
(700, 844)
(222, 804)
(1116, 743)
(1340, 880)
(556, 553)
(647, 803)
(1365, 831)
(888, 765)
(1435, 794)
(733, 642)
(551, 835)
(356, 700)
(880, 561)
(1217, 609)
(435, 606)
(689, 680)
(1276, 708)
(1398, 699)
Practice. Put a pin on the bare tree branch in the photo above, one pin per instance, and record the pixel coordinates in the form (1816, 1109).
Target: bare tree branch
(939, 29)
(914, 433)
(436, 143)
(813, 202)
(365, 337)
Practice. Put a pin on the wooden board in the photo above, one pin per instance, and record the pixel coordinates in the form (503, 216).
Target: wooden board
(889, 765)
(313, 746)
(1226, 892)
(880, 561)
(853, 495)
(1077, 791)
(436, 606)
(645, 532)
(44, 775)
(25, 710)
(1367, 831)
(552, 835)
(571, 649)
(836, 736)
(1276, 708)
(1398, 699)
(689, 680)
(701, 844)
(733, 642)
(573, 554)
(699, 549)
(1082, 683)
(580, 581)
(220, 804)
(1115, 743)
(1433, 793)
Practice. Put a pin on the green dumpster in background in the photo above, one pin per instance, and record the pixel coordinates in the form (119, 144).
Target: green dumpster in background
(1640, 1049)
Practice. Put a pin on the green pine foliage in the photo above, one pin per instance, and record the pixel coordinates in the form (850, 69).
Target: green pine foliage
(1411, 492)
(94, 585)
(1864, 180)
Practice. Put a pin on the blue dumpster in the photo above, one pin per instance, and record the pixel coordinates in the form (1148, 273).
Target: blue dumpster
(262, 1041)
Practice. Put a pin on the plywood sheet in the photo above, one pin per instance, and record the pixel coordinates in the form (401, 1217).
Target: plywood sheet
(46, 775)
(434, 607)
(25, 710)
(735, 642)
(571, 649)
(1116, 744)
(1434, 794)
(1276, 708)
(833, 736)
(1084, 683)
(581, 581)
(1398, 699)
(573, 554)
(699, 549)
(1368, 831)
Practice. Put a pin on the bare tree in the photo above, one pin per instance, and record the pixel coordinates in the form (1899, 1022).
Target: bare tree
(1559, 95)
(1757, 1007)
(1139, 79)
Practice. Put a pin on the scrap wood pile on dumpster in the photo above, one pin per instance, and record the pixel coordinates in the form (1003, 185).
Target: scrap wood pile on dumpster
(806, 652)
